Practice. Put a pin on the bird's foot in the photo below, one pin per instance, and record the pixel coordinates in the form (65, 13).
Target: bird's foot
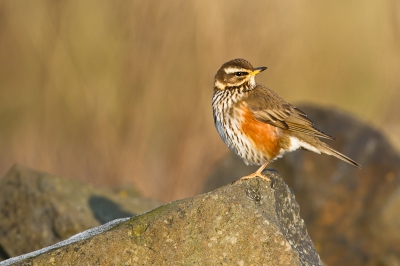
(255, 174)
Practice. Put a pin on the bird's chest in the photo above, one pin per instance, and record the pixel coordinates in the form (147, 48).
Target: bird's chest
(251, 139)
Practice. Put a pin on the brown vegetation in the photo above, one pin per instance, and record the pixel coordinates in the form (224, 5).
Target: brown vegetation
(119, 92)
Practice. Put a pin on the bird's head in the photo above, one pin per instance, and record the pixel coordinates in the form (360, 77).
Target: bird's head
(236, 73)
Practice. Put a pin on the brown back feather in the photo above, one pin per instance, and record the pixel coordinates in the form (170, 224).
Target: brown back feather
(269, 108)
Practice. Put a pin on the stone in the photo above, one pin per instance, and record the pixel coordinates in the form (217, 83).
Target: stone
(247, 223)
(38, 209)
(351, 215)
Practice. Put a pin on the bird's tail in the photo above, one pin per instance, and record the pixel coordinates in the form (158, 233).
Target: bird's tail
(324, 148)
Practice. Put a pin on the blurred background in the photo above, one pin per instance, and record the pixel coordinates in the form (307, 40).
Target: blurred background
(118, 93)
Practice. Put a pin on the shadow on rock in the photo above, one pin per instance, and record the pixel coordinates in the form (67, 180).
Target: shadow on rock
(39, 209)
(105, 210)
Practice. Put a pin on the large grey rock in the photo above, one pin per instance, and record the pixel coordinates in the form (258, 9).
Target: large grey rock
(247, 223)
(38, 209)
(352, 215)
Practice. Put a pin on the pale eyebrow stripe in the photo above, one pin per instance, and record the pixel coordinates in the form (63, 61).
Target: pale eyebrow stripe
(231, 70)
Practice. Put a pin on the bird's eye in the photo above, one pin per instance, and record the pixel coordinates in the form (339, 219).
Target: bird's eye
(240, 74)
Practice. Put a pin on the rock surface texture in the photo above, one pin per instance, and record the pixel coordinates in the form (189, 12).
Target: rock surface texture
(247, 223)
(352, 215)
(38, 209)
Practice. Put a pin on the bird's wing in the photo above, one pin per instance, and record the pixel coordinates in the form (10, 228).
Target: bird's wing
(268, 107)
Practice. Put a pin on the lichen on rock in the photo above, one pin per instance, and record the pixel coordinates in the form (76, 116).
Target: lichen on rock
(247, 223)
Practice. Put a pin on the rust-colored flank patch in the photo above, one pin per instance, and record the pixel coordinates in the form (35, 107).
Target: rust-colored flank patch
(263, 136)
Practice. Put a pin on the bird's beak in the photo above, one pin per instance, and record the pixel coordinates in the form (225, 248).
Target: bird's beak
(257, 70)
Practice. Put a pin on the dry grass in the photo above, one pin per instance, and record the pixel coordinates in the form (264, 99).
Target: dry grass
(119, 92)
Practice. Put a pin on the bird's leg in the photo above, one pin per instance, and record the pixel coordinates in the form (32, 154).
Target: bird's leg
(257, 174)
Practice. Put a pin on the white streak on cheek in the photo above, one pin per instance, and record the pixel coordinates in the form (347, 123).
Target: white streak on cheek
(219, 85)
(253, 81)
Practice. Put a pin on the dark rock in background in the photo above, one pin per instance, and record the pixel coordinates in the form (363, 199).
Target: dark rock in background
(248, 223)
(38, 209)
(352, 215)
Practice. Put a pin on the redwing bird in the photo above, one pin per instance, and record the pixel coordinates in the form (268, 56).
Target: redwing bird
(257, 124)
